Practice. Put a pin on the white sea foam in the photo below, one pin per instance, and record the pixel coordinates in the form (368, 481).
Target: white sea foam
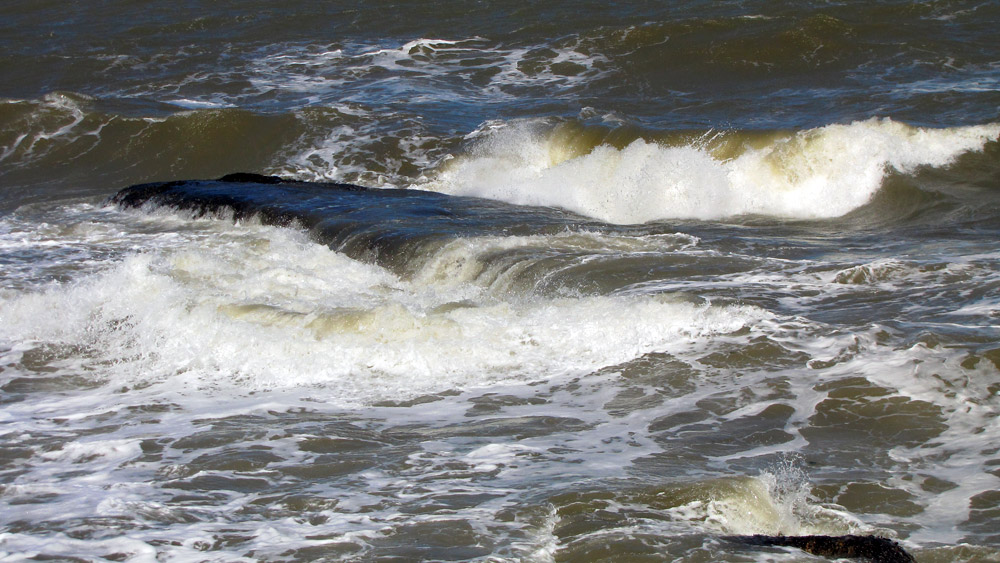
(107, 451)
(824, 172)
(188, 314)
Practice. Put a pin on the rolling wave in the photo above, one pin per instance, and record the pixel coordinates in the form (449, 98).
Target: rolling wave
(601, 166)
(812, 174)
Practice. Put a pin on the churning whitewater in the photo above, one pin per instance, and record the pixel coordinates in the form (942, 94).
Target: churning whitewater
(818, 173)
(466, 282)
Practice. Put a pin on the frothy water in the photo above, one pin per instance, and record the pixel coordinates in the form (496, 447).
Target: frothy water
(178, 364)
(191, 307)
(622, 282)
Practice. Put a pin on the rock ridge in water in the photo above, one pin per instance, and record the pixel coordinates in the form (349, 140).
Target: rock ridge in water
(333, 209)
(869, 548)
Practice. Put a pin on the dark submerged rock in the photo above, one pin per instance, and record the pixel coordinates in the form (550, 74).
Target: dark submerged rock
(387, 226)
(336, 213)
(234, 193)
(870, 548)
(251, 178)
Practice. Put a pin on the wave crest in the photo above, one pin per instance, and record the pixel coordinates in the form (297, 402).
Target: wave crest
(812, 174)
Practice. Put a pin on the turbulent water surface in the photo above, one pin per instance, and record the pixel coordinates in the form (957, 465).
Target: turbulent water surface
(632, 279)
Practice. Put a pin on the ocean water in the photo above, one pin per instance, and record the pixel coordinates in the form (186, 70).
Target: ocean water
(629, 279)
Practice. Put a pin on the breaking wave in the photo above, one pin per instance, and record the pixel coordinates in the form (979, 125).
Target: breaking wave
(812, 174)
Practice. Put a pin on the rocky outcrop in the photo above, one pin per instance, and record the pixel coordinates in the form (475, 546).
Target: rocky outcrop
(868, 548)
